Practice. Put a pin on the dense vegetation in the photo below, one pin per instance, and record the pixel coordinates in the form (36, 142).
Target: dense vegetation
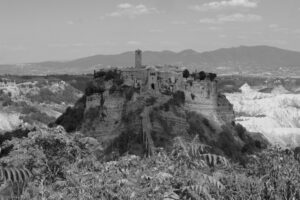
(69, 167)
(72, 118)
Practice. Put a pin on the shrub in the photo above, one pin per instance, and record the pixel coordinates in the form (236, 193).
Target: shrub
(207, 124)
(18, 133)
(202, 75)
(129, 91)
(193, 96)
(37, 116)
(185, 73)
(27, 109)
(178, 98)
(94, 87)
(111, 75)
(6, 100)
(227, 143)
(150, 101)
(212, 76)
(72, 118)
(241, 131)
(112, 89)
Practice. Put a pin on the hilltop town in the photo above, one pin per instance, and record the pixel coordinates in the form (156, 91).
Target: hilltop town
(150, 101)
(200, 88)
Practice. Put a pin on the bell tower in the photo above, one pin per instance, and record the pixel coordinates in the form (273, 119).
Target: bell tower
(138, 58)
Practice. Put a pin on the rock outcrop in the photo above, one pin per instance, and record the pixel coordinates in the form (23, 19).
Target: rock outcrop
(143, 116)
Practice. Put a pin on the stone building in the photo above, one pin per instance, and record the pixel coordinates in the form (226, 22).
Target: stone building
(167, 80)
(138, 58)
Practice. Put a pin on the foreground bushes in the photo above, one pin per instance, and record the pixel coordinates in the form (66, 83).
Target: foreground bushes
(65, 167)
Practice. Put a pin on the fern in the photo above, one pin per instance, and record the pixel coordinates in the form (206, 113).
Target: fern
(13, 179)
(204, 179)
(171, 196)
(14, 175)
(195, 153)
(214, 160)
(193, 160)
(197, 192)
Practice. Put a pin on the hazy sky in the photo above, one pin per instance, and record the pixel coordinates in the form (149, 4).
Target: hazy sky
(37, 30)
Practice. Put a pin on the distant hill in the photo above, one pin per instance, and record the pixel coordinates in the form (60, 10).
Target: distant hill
(248, 60)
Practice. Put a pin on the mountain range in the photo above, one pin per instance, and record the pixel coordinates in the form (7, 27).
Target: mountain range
(245, 60)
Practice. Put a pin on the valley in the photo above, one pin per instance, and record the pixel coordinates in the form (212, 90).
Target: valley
(34, 101)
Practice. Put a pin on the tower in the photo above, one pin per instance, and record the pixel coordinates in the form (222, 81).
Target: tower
(138, 58)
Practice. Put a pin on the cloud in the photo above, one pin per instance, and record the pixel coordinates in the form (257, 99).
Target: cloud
(70, 22)
(178, 22)
(60, 45)
(125, 5)
(277, 42)
(156, 30)
(209, 21)
(216, 5)
(242, 37)
(277, 28)
(129, 10)
(273, 26)
(297, 31)
(133, 43)
(237, 17)
(214, 28)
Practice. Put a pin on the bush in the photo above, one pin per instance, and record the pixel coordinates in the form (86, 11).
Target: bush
(212, 76)
(150, 101)
(241, 131)
(72, 118)
(193, 96)
(178, 98)
(227, 143)
(49, 152)
(18, 133)
(94, 87)
(129, 91)
(202, 75)
(37, 116)
(185, 73)
(27, 109)
(6, 100)
(207, 124)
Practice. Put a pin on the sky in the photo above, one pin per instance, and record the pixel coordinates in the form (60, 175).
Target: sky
(42, 30)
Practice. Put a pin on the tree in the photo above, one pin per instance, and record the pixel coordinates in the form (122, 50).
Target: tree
(186, 73)
(212, 76)
(202, 75)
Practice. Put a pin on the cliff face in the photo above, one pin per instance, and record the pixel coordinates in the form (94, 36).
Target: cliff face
(103, 116)
(108, 115)
(225, 110)
(219, 110)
